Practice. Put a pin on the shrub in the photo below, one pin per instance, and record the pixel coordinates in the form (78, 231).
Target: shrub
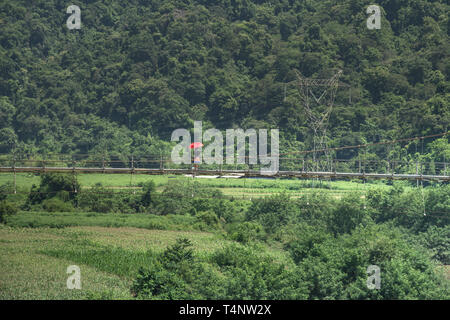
(437, 241)
(180, 252)
(176, 198)
(246, 232)
(57, 205)
(207, 217)
(176, 274)
(6, 208)
(5, 189)
(252, 276)
(306, 243)
(336, 268)
(414, 210)
(61, 185)
(272, 212)
(348, 215)
(100, 199)
(147, 197)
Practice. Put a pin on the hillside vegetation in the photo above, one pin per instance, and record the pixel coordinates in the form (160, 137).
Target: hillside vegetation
(138, 69)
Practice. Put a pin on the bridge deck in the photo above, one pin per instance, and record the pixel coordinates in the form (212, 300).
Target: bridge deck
(241, 173)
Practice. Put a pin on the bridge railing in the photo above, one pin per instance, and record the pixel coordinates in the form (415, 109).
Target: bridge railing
(285, 164)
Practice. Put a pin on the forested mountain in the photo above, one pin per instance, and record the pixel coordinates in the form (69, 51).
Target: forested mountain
(138, 69)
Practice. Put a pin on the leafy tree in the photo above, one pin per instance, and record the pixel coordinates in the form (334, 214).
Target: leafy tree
(149, 189)
(7, 208)
(272, 212)
(63, 186)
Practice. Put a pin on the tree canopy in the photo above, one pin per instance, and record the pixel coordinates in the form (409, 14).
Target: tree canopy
(138, 69)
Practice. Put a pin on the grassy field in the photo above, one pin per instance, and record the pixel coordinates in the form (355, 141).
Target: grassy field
(34, 259)
(241, 188)
(62, 219)
(29, 273)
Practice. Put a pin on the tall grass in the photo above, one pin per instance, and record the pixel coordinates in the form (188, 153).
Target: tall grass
(69, 219)
(115, 260)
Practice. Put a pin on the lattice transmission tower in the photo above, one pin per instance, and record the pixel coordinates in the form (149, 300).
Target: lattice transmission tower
(317, 96)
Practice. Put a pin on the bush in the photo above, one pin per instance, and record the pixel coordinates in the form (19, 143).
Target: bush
(57, 205)
(316, 209)
(234, 272)
(177, 274)
(252, 276)
(272, 212)
(308, 240)
(335, 268)
(176, 198)
(413, 210)
(100, 199)
(147, 197)
(5, 189)
(246, 232)
(437, 241)
(209, 218)
(6, 208)
(61, 185)
(348, 214)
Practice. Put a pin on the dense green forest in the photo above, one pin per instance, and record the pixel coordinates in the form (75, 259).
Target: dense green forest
(138, 69)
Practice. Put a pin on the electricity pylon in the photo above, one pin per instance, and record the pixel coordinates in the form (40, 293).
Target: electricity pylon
(317, 96)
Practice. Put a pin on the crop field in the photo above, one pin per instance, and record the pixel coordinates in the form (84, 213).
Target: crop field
(246, 188)
(34, 260)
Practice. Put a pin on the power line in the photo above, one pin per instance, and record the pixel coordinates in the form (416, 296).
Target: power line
(368, 144)
(154, 157)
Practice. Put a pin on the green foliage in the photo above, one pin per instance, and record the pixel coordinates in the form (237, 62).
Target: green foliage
(250, 276)
(223, 62)
(416, 210)
(175, 274)
(56, 205)
(437, 241)
(272, 212)
(176, 198)
(348, 215)
(101, 199)
(316, 209)
(246, 232)
(235, 273)
(329, 256)
(6, 208)
(227, 63)
(207, 217)
(148, 193)
(335, 268)
(5, 189)
(306, 242)
(177, 254)
(59, 185)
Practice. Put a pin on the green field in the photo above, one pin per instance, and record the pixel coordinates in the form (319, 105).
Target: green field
(246, 188)
(34, 260)
(111, 246)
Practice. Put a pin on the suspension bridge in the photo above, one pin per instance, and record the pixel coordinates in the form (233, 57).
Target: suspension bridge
(289, 167)
(242, 173)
